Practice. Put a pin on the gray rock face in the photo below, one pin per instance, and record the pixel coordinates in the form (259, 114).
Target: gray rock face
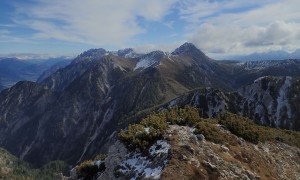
(116, 153)
(271, 101)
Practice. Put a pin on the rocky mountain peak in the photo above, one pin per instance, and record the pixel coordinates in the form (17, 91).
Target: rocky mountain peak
(127, 53)
(90, 55)
(187, 48)
(93, 52)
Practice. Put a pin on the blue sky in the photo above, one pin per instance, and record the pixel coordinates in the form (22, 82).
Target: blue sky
(217, 27)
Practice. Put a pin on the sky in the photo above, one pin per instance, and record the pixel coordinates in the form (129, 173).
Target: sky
(218, 27)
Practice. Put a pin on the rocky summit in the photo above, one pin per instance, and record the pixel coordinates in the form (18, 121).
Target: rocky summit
(73, 113)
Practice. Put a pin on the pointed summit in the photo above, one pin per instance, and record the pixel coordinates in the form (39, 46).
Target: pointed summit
(189, 49)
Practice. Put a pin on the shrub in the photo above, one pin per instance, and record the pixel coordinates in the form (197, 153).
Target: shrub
(210, 131)
(135, 137)
(100, 157)
(185, 116)
(151, 128)
(143, 135)
(242, 127)
(87, 169)
(247, 129)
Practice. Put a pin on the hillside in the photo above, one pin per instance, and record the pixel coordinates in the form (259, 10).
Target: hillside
(190, 147)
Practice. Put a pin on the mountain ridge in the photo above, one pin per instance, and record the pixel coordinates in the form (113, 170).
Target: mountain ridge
(81, 106)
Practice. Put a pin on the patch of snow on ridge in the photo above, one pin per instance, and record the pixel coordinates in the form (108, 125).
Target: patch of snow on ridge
(163, 148)
(149, 60)
(140, 166)
(145, 63)
(147, 129)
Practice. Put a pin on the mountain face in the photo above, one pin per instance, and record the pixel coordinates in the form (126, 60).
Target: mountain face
(75, 112)
(270, 101)
(273, 101)
(52, 69)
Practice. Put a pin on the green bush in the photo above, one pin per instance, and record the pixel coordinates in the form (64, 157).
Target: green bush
(152, 127)
(100, 157)
(185, 116)
(210, 131)
(87, 169)
(247, 129)
(135, 137)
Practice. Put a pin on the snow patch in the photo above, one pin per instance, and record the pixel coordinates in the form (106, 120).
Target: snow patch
(145, 63)
(163, 148)
(149, 60)
(147, 129)
(140, 166)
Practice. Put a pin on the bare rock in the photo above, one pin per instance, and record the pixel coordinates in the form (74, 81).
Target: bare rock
(200, 137)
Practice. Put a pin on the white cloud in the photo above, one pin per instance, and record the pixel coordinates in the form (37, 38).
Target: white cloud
(261, 26)
(105, 22)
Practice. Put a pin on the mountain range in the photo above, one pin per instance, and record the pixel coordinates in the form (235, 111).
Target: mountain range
(13, 70)
(271, 55)
(75, 112)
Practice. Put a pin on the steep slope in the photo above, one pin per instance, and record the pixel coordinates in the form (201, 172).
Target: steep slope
(52, 69)
(273, 101)
(199, 70)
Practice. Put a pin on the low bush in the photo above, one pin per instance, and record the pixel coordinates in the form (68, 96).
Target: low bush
(247, 129)
(151, 128)
(210, 131)
(100, 157)
(185, 116)
(87, 169)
